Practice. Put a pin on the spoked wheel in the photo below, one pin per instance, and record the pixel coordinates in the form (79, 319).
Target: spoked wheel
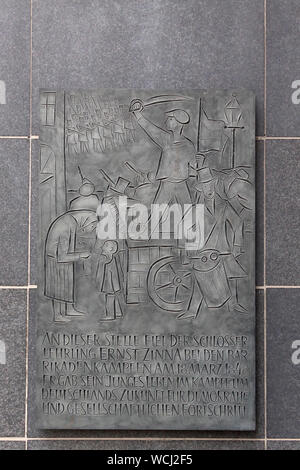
(170, 284)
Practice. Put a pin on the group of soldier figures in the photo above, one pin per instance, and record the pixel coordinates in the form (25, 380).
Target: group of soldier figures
(98, 129)
(182, 176)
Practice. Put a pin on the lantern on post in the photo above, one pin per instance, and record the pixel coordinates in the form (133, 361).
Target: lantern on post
(233, 116)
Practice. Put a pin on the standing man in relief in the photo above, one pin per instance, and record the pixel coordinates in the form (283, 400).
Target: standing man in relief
(60, 257)
(177, 151)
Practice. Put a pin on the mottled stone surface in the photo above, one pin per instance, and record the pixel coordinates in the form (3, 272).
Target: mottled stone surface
(161, 445)
(282, 212)
(14, 67)
(284, 445)
(283, 80)
(12, 445)
(14, 165)
(12, 370)
(283, 363)
(142, 44)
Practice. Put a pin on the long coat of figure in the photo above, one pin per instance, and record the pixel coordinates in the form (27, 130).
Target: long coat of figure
(60, 254)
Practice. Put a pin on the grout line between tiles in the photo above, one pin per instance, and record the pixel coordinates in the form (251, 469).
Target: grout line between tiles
(26, 137)
(265, 228)
(265, 215)
(29, 233)
(29, 215)
(26, 367)
(30, 76)
(282, 287)
(265, 367)
(12, 439)
(27, 297)
(34, 286)
(276, 138)
(297, 439)
(143, 439)
(265, 306)
(19, 287)
(265, 67)
(22, 439)
(258, 137)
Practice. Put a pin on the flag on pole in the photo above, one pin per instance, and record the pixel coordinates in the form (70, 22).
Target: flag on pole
(211, 133)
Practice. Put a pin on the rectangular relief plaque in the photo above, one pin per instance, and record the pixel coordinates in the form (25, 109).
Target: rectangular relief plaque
(147, 260)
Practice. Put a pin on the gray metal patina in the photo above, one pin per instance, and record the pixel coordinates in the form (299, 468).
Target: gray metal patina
(137, 331)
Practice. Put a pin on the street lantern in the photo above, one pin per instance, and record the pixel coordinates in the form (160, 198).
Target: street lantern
(233, 116)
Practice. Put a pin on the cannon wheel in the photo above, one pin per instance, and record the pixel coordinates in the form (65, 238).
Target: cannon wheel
(169, 284)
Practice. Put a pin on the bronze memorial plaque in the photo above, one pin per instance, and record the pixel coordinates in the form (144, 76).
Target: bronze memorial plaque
(146, 314)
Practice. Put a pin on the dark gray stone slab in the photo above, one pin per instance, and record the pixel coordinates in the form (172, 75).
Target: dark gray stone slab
(283, 353)
(14, 159)
(14, 67)
(182, 444)
(35, 432)
(139, 327)
(12, 362)
(283, 80)
(137, 44)
(283, 208)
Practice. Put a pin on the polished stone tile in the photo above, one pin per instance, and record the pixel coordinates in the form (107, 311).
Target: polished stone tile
(12, 445)
(14, 67)
(283, 212)
(34, 220)
(260, 366)
(144, 445)
(259, 214)
(283, 374)
(284, 445)
(14, 158)
(283, 42)
(142, 44)
(12, 366)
